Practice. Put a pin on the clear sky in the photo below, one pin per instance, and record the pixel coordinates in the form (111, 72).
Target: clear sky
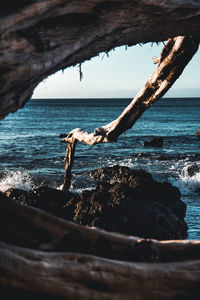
(120, 75)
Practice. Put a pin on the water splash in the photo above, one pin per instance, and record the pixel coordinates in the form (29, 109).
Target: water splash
(186, 183)
(19, 179)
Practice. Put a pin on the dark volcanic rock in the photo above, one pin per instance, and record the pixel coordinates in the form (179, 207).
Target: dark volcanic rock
(52, 200)
(193, 169)
(18, 195)
(154, 142)
(62, 135)
(132, 202)
(125, 200)
(122, 175)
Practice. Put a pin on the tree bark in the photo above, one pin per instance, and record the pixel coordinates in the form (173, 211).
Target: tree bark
(80, 276)
(32, 228)
(38, 38)
(61, 260)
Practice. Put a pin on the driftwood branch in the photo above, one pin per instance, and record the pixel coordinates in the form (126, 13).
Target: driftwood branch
(69, 158)
(39, 38)
(80, 276)
(33, 228)
(175, 56)
(57, 259)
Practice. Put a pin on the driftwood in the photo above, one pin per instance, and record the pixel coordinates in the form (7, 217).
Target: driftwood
(69, 158)
(38, 38)
(175, 56)
(36, 229)
(61, 260)
(81, 276)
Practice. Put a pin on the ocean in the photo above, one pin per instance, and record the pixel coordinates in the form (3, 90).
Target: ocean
(31, 151)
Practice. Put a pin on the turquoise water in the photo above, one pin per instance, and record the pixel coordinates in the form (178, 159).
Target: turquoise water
(31, 151)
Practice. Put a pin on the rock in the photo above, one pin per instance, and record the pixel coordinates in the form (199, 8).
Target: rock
(62, 135)
(142, 155)
(198, 133)
(193, 170)
(126, 201)
(53, 201)
(154, 142)
(122, 175)
(132, 202)
(18, 195)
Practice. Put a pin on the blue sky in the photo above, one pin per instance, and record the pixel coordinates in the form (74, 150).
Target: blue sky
(120, 75)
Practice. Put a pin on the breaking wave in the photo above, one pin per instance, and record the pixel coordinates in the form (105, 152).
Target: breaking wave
(186, 183)
(19, 179)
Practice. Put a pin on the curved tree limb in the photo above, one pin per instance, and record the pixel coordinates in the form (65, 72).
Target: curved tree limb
(38, 38)
(175, 56)
(32, 228)
(80, 276)
(57, 259)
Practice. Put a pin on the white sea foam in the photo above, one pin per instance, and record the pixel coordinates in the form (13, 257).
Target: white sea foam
(19, 179)
(74, 189)
(124, 162)
(187, 184)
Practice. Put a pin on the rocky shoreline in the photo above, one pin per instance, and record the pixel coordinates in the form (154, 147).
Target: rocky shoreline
(124, 200)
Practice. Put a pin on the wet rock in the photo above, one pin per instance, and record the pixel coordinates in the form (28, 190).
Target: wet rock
(142, 155)
(52, 200)
(124, 200)
(62, 135)
(122, 175)
(154, 142)
(193, 170)
(17, 195)
(132, 202)
(198, 133)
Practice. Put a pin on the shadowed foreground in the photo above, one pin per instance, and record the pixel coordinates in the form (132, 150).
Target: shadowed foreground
(60, 259)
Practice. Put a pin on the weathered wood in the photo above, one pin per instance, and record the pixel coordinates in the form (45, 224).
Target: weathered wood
(175, 56)
(80, 276)
(38, 38)
(69, 158)
(33, 228)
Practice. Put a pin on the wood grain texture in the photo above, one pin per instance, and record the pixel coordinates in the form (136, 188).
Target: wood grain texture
(38, 38)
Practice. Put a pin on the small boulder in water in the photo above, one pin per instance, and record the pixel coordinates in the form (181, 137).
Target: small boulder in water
(154, 142)
(193, 170)
(63, 135)
(132, 202)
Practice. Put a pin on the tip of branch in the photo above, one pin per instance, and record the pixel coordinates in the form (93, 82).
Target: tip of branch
(156, 60)
(64, 140)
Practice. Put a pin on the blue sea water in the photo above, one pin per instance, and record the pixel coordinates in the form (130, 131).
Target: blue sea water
(31, 151)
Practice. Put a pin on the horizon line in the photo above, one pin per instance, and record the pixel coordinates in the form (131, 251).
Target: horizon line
(63, 98)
